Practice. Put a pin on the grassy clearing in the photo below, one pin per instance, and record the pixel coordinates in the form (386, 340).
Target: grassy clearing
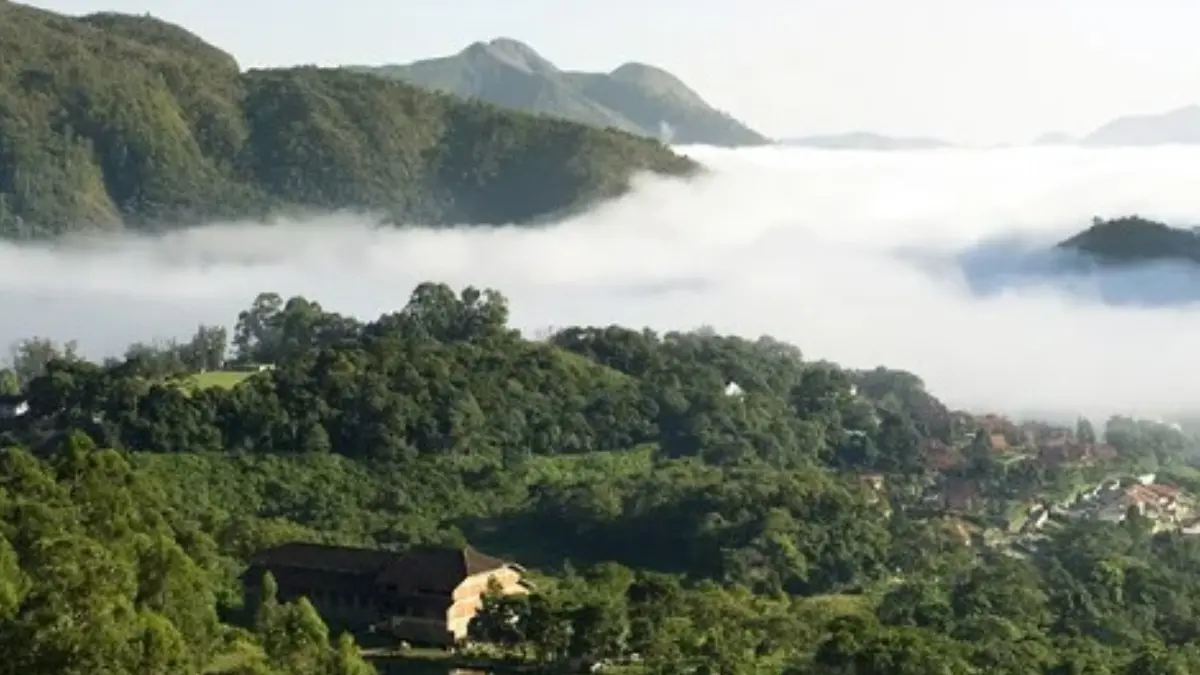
(224, 379)
(593, 466)
(585, 366)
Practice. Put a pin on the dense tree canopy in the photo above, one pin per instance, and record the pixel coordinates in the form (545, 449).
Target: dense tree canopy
(110, 119)
(1133, 240)
(692, 502)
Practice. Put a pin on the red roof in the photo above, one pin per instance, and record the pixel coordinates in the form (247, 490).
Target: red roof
(1164, 491)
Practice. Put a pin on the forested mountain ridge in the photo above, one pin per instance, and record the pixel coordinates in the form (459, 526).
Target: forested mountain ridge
(693, 502)
(634, 97)
(1131, 240)
(111, 119)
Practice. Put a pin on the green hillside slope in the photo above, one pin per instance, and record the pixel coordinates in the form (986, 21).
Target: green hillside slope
(111, 120)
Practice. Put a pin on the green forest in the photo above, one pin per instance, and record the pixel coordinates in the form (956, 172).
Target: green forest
(1132, 240)
(691, 503)
(112, 120)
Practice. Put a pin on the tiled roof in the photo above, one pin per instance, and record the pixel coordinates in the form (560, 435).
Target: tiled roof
(426, 568)
(302, 555)
(1163, 491)
(438, 569)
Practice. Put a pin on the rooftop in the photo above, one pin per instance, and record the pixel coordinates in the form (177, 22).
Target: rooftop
(426, 568)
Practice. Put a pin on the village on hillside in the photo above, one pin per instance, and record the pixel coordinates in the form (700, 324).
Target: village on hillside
(976, 484)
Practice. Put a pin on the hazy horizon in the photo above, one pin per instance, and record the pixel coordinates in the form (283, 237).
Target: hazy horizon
(856, 257)
(980, 73)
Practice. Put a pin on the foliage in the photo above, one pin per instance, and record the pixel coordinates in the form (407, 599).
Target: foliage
(690, 503)
(98, 574)
(1132, 240)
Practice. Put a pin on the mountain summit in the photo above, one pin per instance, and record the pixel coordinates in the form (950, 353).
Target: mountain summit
(1179, 126)
(636, 97)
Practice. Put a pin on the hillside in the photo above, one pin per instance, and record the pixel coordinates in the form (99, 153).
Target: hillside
(1179, 126)
(862, 140)
(1131, 240)
(635, 97)
(814, 520)
(110, 120)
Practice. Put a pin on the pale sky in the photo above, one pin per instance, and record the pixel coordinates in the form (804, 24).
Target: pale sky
(974, 71)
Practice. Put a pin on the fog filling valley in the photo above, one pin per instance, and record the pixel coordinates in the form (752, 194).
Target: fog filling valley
(916, 260)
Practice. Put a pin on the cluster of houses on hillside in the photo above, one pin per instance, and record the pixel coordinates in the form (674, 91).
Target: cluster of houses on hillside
(1168, 507)
(1113, 500)
(1009, 443)
(1021, 523)
(1047, 443)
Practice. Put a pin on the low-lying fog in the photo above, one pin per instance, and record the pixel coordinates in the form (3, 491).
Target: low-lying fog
(932, 261)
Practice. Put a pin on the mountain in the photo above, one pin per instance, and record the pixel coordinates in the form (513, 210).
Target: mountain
(636, 98)
(1181, 126)
(111, 120)
(1054, 138)
(1131, 240)
(863, 140)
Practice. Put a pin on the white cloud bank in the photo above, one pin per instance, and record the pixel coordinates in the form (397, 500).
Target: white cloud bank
(799, 244)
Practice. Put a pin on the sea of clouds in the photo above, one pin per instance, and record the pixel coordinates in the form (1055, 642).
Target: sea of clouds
(932, 261)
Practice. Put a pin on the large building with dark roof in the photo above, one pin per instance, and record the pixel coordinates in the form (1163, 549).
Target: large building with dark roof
(425, 595)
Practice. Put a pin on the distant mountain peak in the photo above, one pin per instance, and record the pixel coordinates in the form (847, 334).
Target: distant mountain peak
(521, 54)
(657, 81)
(638, 69)
(1178, 126)
(636, 97)
(508, 52)
(1188, 110)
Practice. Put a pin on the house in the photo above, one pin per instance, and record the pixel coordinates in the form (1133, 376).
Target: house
(1001, 433)
(1154, 501)
(1039, 517)
(13, 406)
(993, 423)
(959, 494)
(1060, 448)
(874, 482)
(426, 595)
(1161, 499)
(940, 457)
(1103, 452)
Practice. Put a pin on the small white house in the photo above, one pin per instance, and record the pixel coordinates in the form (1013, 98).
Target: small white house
(733, 389)
(14, 409)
